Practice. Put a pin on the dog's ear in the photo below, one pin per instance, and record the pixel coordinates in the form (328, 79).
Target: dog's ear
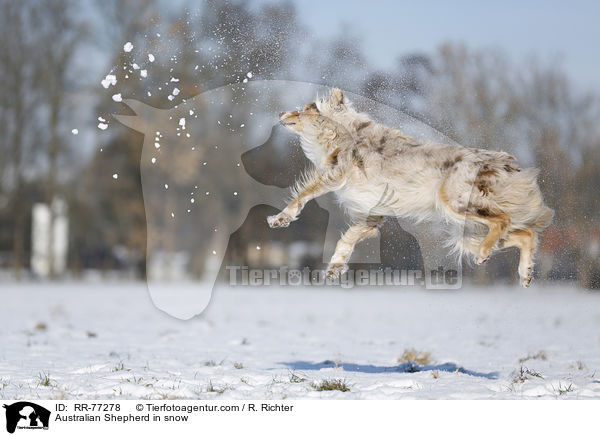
(336, 98)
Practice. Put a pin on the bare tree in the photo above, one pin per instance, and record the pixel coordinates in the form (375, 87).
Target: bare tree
(54, 23)
(17, 43)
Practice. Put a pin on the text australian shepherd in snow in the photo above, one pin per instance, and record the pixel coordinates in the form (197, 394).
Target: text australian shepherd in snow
(378, 171)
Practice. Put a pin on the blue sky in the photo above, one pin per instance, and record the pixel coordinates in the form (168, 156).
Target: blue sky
(567, 31)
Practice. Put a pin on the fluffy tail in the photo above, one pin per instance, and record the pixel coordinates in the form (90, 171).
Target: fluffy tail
(520, 198)
(543, 220)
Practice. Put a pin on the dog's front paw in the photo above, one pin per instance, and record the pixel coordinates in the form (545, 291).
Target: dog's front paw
(335, 270)
(279, 220)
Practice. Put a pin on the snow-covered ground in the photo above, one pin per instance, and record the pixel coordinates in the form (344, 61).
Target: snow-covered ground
(105, 341)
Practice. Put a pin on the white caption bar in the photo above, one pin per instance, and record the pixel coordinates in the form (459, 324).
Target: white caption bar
(298, 417)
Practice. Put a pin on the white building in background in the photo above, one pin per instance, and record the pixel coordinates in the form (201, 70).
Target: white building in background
(49, 244)
(163, 265)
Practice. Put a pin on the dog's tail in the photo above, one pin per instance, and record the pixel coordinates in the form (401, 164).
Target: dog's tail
(521, 199)
(543, 219)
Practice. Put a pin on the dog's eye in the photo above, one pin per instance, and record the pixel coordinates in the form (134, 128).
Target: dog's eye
(311, 106)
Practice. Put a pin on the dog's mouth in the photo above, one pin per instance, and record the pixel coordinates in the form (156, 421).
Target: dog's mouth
(288, 118)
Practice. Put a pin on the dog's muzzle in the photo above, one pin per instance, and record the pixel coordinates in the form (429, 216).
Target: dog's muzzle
(284, 118)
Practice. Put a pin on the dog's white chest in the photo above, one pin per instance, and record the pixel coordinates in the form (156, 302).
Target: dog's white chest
(389, 196)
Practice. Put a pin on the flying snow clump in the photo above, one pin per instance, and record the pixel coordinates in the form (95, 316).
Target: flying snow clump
(117, 97)
(110, 79)
(128, 47)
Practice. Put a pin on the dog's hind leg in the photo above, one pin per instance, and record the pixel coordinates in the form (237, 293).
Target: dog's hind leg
(525, 240)
(357, 232)
(497, 223)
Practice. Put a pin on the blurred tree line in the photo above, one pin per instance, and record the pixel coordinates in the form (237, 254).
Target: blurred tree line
(51, 52)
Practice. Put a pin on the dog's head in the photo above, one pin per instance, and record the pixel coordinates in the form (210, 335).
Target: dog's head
(302, 120)
(316, 123)
(316, 113)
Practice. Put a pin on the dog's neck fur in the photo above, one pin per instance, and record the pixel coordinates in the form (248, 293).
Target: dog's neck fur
(320, 143)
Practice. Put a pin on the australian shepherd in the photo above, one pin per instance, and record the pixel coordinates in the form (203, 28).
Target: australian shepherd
(378, 171)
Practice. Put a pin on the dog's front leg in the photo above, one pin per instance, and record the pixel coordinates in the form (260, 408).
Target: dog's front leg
(318, 183)
(363, 229)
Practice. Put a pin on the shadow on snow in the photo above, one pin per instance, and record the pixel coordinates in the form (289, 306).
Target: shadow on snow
(408, 367)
